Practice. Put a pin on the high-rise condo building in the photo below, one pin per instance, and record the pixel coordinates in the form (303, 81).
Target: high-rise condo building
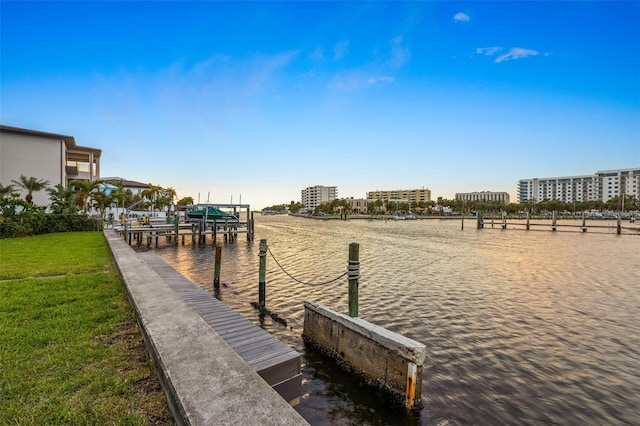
(313, 196)
(502, 197)
(601, 186)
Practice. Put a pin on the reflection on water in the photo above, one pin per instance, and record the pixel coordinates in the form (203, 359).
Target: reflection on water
(521, 327)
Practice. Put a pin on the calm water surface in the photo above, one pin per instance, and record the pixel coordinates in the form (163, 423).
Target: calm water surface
(521, 327)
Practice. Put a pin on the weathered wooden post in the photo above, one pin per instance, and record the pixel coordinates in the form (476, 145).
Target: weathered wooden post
(252, 227)
(226, 231)
(480, 217)
(216, 271)
(249, 220)
(504, 220)
(554, 217)
(462, 220)
(619, 226)
(584, 222)
(262, 274)
(528, 216)
(353, 273)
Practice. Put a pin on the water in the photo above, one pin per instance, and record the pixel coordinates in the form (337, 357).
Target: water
(521, 327)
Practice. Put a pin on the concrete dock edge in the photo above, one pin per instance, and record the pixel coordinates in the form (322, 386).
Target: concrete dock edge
(205, 381)
(387, 360)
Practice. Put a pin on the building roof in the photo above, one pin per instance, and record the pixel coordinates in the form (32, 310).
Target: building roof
(125, 183)
(70, 141)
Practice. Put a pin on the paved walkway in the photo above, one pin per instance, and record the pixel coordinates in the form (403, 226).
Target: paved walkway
(206, 382)
(278, 364)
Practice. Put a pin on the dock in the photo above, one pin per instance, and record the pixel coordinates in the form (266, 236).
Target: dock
(278, 364)
(248, 377)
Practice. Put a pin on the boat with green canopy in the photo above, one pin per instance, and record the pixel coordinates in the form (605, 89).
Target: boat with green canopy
(211, 214)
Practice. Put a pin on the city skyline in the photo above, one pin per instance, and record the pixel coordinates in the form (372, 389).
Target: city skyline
(261, 99)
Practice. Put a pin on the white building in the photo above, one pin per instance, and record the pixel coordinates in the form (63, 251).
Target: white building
(502, 197)
(601, 186)
(313, 196)
(45, 156)
(135, 187)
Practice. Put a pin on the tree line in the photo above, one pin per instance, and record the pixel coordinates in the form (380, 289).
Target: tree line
(23, 217)
(443, 206)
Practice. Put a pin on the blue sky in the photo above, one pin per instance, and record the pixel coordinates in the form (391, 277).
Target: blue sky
(262, 99)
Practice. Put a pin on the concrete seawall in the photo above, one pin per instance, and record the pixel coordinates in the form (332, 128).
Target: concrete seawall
(205, 381)
(387, 360)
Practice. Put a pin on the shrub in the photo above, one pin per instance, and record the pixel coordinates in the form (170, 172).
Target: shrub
(19, 218)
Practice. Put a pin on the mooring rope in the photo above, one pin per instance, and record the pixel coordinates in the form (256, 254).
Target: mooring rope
(303, 282)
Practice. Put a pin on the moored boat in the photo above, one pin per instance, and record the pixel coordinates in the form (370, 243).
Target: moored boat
(211, 214)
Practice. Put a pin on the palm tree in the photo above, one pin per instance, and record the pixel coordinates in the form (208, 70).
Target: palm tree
(63, 200)
(152, 193)
(31, 185)
(84, 188)
(102, 201)
(170, 193)
(122, 196)
(7, 191)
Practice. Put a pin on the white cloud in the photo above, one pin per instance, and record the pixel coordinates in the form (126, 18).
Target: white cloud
(516, 53)
(376, 80)
(399, 54)
(317, 55)
(461, 17)
(340, 50)
(488, 50)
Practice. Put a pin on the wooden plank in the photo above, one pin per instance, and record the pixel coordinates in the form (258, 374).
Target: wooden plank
(275, 362)
(234, 339)
(272, 359)
(290, 389)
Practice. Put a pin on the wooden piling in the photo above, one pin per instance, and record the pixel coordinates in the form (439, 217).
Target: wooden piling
(504, 220)
(480, 218)
(528, 217)
(619, 225)
(554, 216)
(584, 223)
(262, 274)
(216, 272)
(353, 273)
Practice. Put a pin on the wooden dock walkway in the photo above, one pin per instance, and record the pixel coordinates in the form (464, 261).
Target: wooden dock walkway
(197, 231)
(278, 364)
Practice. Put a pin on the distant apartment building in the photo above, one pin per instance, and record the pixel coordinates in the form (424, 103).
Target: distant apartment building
(45, 156)
(358, 205)
(502, 197)
(601, 186)
(406, 195)
(313, 196)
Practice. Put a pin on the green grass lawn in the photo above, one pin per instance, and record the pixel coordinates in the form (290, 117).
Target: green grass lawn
(70, 350)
